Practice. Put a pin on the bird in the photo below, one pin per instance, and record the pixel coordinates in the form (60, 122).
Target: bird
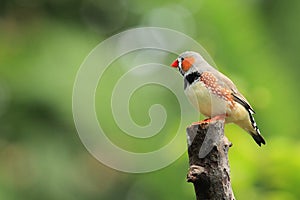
(215, 95)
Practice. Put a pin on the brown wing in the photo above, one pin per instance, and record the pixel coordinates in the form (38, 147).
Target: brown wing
(236, 95)
(213, 84)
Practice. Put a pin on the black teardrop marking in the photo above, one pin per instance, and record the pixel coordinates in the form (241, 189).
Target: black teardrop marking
(192, 77)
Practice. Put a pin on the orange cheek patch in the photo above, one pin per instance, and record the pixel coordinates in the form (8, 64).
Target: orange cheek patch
(187, 63)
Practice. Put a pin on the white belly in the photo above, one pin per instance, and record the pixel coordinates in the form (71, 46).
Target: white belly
(211, 105)
(208, 104)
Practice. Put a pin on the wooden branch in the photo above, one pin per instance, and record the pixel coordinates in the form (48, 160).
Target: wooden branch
(208, 158)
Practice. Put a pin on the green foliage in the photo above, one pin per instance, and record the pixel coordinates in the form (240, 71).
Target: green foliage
(43, 44)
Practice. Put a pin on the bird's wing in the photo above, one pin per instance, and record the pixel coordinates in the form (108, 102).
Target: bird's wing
(223, 86)
(236, 95)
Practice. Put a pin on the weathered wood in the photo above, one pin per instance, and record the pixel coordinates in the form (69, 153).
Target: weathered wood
(208, 158)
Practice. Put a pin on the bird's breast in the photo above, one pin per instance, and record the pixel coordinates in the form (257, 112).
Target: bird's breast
(205, 101)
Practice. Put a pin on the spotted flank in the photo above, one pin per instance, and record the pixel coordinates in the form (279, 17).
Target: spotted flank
(211, 83)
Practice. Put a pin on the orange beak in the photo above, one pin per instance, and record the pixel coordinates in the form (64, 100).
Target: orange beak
(175, 63)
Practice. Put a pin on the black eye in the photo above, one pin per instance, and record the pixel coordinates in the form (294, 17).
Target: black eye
(180, 59)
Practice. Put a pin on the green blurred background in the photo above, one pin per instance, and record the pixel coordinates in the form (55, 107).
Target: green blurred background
(43, 43)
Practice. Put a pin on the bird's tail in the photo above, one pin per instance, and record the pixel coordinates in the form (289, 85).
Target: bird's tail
(256, 133)
(258, 138)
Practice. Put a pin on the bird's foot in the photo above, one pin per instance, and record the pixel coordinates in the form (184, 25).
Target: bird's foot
(205, 121)
(208, 120)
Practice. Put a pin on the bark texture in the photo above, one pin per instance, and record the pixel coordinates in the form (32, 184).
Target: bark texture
(208, 158)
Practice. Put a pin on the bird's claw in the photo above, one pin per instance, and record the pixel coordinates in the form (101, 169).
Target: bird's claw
(208, 120)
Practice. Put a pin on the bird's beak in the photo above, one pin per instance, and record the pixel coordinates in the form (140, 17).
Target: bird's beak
(175, 63)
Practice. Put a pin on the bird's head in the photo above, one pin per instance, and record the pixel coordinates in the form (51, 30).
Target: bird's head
(186, 61)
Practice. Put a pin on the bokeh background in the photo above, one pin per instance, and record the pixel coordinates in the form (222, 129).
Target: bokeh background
(42, 45)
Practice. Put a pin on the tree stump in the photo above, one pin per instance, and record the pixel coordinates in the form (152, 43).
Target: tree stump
(208, 158)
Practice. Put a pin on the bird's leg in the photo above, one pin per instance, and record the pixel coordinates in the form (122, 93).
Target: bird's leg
(208, 120)
(219, 117)
(205, 121)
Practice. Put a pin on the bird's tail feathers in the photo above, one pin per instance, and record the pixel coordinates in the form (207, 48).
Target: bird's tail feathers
(256, 133)
(258, 138)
